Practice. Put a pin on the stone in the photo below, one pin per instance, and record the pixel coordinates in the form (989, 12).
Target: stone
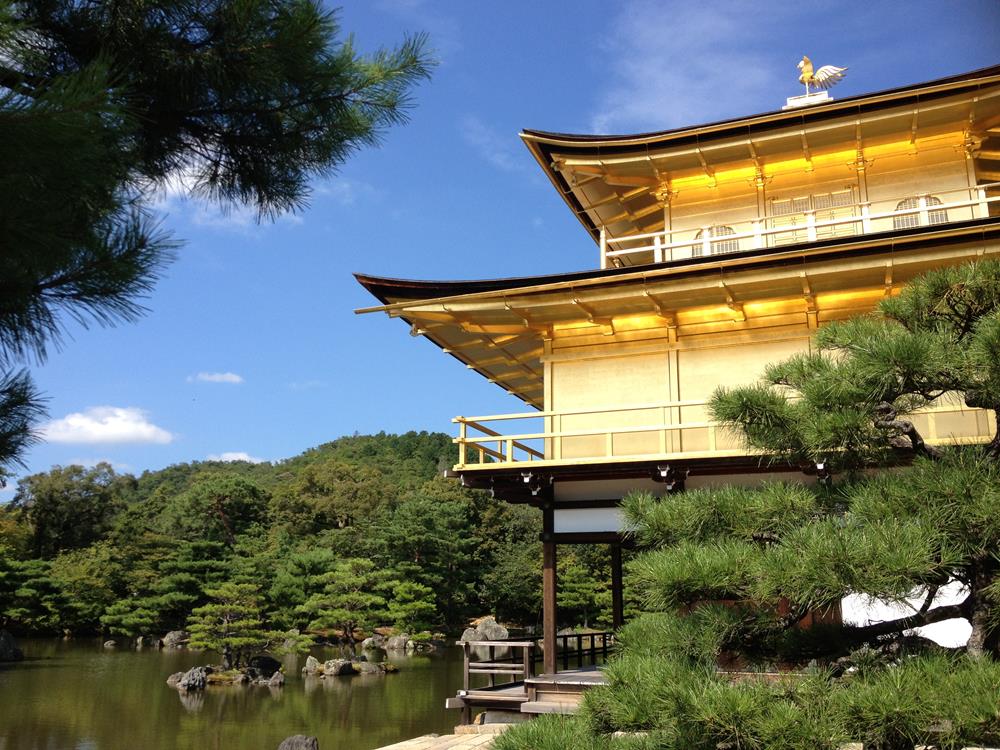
(367, 667)
(241, 679)
(140, 642)
(194, 679)
(173, 679)
(491, 630)
(398, 642)
(337, 667)
(299, 742)
(373, 643)
(110, 644)
(277, 680)
(176, 639)
(313, 665)
(470, 634)
(487, 629)
(8, 648)
(264, 664)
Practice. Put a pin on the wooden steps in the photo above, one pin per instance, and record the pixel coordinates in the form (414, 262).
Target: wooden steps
(549, 707)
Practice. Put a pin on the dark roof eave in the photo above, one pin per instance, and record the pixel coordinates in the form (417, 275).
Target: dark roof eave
(388, 289)
(971, 77)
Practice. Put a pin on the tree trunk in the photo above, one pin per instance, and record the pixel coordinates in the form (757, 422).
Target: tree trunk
(985, 637)
(227, 657)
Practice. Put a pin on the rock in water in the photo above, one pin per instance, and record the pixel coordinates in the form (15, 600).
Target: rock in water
(110, 644)
(299, 742)
(194, 679)
(398, 642)
(173, 679)
(313, 665)
(176, 639)
(8, 648)
(277, 680)
(374, 643)
(264, 664)
(337, 667)
(367, 667)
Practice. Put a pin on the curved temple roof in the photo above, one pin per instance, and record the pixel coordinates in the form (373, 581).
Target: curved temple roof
(612, 180)
(499, 327)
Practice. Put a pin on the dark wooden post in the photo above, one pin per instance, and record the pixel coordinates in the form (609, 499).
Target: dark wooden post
(617, 603)
(549, 606)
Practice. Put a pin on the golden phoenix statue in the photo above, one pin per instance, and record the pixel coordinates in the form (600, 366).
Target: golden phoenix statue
(823, 78)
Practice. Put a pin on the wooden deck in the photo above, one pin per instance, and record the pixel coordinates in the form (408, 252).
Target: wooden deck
(445, 742)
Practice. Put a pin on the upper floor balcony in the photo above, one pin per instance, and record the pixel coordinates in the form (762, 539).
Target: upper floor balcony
(698, 232)
(664, 431)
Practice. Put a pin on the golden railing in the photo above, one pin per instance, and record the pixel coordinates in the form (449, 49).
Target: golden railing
(806, 226)
(667, 437)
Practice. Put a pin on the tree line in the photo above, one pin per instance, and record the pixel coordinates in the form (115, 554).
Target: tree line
(358, 533)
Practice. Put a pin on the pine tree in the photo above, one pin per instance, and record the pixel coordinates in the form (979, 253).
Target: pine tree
(349, 601)
(231, 624)
(102, 104)
(411, 608)
(739, 578)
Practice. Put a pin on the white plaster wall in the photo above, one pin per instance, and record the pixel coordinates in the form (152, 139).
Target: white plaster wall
(585, 520)
(861, 610)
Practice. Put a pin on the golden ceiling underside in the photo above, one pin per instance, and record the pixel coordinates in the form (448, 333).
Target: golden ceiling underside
(503, 334)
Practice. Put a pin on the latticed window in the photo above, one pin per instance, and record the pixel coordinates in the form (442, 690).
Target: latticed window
(908, 221)
(718, 246)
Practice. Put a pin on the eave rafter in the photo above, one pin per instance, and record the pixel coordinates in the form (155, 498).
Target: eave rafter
(812, 311)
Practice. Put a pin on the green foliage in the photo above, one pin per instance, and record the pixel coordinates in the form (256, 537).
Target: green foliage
(347, 602)
(71, 507)
(215, 509)
(32, 601)
(433, 554)
(938, 339)
(231, 623)
(558, 733)
(412, 607)
(103, 104)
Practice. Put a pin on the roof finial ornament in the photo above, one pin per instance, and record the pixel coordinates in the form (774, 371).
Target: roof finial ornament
(823, 78)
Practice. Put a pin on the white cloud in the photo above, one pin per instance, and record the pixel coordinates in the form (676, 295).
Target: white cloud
(346, 192)
(179, 194)
(444, 30)
(234, 456)
(105, 424)
(500, 150)
(215, 377)
(306, 385)
(684, 63)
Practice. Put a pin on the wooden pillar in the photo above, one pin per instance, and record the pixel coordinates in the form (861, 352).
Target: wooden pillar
(617, 601)
(549, 584)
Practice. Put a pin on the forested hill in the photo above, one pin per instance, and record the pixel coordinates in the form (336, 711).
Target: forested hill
(364, 524)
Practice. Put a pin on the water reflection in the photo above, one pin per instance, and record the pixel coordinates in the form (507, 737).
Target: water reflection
(74, 695)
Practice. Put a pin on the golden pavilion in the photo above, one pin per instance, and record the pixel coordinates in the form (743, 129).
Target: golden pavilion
(718, 248)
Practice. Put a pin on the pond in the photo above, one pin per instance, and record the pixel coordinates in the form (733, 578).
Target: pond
(76, 695)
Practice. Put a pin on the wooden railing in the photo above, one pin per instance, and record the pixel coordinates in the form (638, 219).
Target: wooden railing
(518, 658)
(791, 228)
(665, 436)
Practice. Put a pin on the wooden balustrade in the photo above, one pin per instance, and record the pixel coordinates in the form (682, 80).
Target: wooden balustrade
(524, 654)
(668, 439)
(754, 234)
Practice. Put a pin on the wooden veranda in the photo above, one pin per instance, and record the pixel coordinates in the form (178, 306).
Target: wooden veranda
(503, 675)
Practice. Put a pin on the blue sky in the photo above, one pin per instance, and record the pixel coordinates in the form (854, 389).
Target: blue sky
(251, 346)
